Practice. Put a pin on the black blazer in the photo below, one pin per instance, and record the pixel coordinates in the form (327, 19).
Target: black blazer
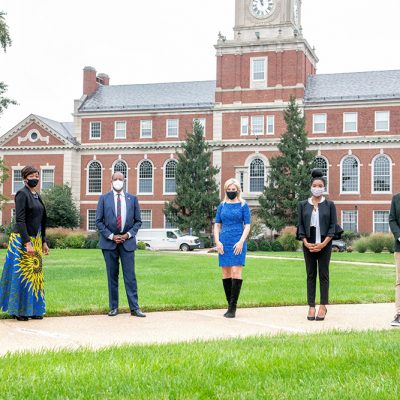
(327, 218)
(29, 216)
(394, 220)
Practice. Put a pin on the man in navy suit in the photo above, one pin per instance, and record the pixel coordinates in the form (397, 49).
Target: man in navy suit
(118, 221)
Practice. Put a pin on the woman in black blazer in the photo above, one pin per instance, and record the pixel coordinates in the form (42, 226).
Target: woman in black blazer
(316, 228)
(21, 284)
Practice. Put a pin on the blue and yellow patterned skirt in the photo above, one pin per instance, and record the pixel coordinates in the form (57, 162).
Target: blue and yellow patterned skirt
(22, 281)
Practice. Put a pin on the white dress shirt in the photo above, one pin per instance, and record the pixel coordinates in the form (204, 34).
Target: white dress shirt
(315, 220)
(123, 211)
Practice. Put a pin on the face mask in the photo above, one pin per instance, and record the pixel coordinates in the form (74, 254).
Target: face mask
(118, 185)
(231, 195)
(317, 192)
(32, 182)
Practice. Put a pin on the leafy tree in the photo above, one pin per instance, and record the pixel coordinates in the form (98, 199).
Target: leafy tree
(60, 207)
(3, 177)
(289, 174)
(197, 193)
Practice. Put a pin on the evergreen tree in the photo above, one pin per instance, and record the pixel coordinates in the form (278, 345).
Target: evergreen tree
(197, 194)
(3, 177)
(289, 174)
(60, 207)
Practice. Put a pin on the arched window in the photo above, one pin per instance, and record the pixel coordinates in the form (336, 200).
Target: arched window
(120, 166)
(322, 164)
(146, 177)
(257, 175)
(350, 175)
(170, 176)
(382, 174)
(94, 177)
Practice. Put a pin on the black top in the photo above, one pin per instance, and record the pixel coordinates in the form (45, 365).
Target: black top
(394, 220)
(30, 215)
(327, 218)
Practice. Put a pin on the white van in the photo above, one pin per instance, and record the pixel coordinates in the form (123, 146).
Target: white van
(167, 239)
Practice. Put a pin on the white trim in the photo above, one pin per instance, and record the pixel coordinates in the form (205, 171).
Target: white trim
(354, 211)
(151, 217)
(388, 121)
(87, 220)
(115, 129)
(243, 118)
(373, 174)
(87, 178)
(164, 171)
(358, 174)
(46, 168)
(273, 124)
(127, 170)
(138, 178)
(326, 123)
(373, 220)
(257, 83)
(251, 125)
(344, 122)
(142, 121)
(90, 130)
(167, 128)
(12, 177)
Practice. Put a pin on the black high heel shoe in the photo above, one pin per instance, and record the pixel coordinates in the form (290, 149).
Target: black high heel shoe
(20, 318)
(308, 316)
(317, 318)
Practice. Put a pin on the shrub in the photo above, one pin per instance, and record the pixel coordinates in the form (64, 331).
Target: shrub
(55, 236)
(376, 242)
(73, 242)
(289, 242)
(3, 240)
(264, 245)
(349, 249)
(361, 245)
(252, 245)
(389, 243)
(206, 241)
(276, 246)
(141, 246)
(349, 237)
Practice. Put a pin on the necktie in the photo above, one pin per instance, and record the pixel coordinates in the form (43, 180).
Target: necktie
(119, 218)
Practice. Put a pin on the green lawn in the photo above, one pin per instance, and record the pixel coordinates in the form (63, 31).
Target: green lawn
(359, 366)
(76, 282)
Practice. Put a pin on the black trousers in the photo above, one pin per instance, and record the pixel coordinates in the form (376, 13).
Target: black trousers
(317, 262)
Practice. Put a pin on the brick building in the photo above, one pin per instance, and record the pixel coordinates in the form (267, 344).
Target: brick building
(353, 121)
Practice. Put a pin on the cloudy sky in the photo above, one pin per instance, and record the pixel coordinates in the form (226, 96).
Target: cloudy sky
(163, 41)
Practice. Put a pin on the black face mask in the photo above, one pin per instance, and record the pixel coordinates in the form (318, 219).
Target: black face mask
(32, 182)
(231, 195)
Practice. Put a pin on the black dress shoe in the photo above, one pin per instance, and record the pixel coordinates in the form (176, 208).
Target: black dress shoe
(113, 312)
(37, 317)
(137, 313)
(20, 318)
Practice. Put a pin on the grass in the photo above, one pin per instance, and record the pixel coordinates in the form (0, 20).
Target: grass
(324, 366)
(76, 282)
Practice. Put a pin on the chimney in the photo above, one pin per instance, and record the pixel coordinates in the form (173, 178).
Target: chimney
(103, 79)
(89, 81)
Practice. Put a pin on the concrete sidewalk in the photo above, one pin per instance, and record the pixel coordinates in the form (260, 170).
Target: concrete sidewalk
(98, 331)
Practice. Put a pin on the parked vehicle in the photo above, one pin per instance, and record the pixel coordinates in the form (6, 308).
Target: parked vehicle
(339, 244)
(167, 239)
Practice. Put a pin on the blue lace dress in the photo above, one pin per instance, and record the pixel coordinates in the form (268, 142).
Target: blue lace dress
(233, 217)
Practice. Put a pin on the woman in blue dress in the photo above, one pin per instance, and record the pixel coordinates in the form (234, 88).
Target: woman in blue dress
(232, 226)
(21, 284)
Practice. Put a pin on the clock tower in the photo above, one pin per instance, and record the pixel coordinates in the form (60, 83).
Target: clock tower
(268, 60)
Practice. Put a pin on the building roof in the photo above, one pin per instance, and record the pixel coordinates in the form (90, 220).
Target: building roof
(153, 96)
(354, 86)
(65, 129)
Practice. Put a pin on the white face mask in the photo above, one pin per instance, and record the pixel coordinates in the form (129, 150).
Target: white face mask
(118, 185)
(317, 192)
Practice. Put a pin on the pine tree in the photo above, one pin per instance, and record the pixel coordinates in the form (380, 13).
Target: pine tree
(289, 174)
(197, 194)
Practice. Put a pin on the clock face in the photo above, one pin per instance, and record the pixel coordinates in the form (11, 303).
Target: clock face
(261, 8)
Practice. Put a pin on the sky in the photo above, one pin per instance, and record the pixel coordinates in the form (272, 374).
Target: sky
(164, 41)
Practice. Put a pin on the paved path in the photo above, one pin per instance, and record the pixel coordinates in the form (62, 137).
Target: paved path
(97, 331)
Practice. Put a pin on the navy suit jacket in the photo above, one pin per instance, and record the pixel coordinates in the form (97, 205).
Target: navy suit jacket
(106, 221)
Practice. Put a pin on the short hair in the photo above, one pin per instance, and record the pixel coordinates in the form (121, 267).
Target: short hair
(29, 169)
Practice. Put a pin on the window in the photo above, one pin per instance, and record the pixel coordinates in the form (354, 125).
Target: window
(146, 219)
(257, 176)
(382, 174)
(18, 182)
(47, 178)
(95, 130)
(13, 214)
(120, 129)
(322, 164)
(146, 129)
(94, 177)
(172, 127)
(350, 175)
(270, 124)
(258, 69)
(202, 122)
(241, 180)
(121, 166)
(382, 120)
(170, 177)
(350, 220)
(319, 123)
(146, 177)
(350, 122)
(257, 125)
(91, 220)
(244, 126)
(168, 225)
(381, 221)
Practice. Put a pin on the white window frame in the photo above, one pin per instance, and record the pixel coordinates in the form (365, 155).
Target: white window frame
(87, 220)
(258, 82)
(261, 117)
(350, 211)
(13, 191)
(374, 221)
(249, 175)
(142, 128)
(202, 123)
(373, 175)
(376, 121)
(95, 137)
(164, 176)
(326, 122)
(87, 178)
(116, 130)
(167, 128)
(46, 168)
(358, 173)
(127, 172)
(344, 122)
(151, 217)
(244, 122)
(267, 124)
(152, 179)
(327, 172)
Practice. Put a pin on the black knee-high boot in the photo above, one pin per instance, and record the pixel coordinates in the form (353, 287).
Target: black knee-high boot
(236, 286)
(227, 282)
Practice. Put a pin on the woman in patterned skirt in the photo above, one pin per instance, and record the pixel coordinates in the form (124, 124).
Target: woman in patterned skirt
(232, 226)
(21, 285)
